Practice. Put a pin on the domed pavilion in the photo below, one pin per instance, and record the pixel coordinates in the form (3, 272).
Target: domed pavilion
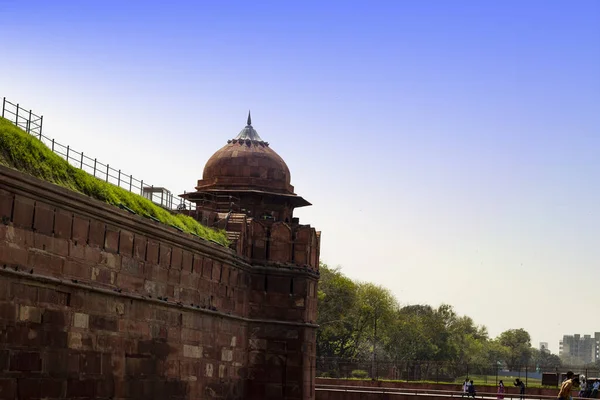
(248, 176)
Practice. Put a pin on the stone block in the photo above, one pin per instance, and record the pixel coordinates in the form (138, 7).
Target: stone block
(98, 322)
(226, 355)
(208, 370)
(27, 294)
(11, 254)
(56, 319)
(63, 222)
(110, 343)
(52, 388)
(75, 340)
(174, 276)
(152, 251)
(31, 314)
(111, 239)
(81, 230)
(29, 388)
(165, 255)
(4, 356)
(191, 351)
(6, 205)
(73, 269)
(130, 283)
(110, 260)
(23, 210)
(103, 276)
(140, 366)
(105, 388)
(132, 266)
(90, 362)
(77, 388)
(139, 247)
(52, 339)
(207, 269)
(44, 263)
(176, 258)
(126, 243)
(81, 320)
(7, 311)
(53, 245)
(25, 361)
(43, 221)
(8, 388)
(186, 260)
(96, 233)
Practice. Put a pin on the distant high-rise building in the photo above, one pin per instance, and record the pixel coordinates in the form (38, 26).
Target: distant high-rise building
(585, 348)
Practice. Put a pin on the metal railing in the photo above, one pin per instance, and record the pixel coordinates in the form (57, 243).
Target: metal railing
(444, 371)
(32, 124)
(24, 119)
(427, 392)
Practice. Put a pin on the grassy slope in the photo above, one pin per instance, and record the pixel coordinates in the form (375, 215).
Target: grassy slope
(25, 153)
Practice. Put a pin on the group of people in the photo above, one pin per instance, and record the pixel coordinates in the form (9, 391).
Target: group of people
(586, 389)
(469, 389)
(572, 381)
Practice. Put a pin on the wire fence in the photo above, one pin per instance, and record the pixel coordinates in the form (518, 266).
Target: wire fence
(32, 124)
(447, 372)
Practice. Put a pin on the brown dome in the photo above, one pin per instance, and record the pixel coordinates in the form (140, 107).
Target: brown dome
(247, 163)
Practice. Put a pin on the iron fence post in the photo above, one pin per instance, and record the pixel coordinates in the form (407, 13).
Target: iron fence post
(3, 105)
(81, 163)
(142, 187)
(29, 123)
(67, 153)
(130, 182)
(107, 171)
(17, 115)
(95, 161)
(53, 145)
(119, 179)
(41, 123)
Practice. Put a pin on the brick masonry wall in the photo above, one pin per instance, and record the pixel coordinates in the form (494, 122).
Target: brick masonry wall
(98, 303)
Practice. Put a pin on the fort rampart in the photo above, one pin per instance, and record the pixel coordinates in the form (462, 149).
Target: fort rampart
(99, 303)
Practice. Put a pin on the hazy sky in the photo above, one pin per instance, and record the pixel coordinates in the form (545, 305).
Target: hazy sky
(450, 148)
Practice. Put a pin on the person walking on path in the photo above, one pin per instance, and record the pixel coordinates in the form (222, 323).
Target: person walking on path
(500, 390)
(521, 385)
(567, 386)
(595, 388)
(472, 389)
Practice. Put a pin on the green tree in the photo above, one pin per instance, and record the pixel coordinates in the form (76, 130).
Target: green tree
(336, 315)
(518, 346)
(375, 313)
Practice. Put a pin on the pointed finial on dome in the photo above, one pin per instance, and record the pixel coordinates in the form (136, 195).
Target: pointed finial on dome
(249, 119)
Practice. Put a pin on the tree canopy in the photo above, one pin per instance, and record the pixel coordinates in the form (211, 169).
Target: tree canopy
(364, 321)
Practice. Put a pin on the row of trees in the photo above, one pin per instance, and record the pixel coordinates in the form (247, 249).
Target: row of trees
(363, 321)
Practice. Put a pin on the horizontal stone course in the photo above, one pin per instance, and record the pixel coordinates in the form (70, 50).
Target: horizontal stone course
(96, 303)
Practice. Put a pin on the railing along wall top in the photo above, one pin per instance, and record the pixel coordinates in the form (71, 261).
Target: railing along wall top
(32, 124)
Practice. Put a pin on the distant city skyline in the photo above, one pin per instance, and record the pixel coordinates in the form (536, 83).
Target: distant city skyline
(449, 149)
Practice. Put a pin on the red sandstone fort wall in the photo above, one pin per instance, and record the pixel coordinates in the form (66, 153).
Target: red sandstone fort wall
(98, 303)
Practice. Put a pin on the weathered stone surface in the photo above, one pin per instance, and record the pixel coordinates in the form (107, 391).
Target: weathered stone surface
(139, 313)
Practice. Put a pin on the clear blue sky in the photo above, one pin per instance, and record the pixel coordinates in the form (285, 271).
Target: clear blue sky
(450, 148)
